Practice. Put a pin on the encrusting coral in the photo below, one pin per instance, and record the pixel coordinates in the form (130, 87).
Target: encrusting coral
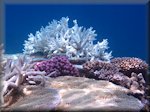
(75, 42)
(57, 66)
(16, 73)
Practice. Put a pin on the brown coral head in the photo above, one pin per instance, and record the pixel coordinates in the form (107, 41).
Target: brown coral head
(98, 65)
(99, 70)
(127, 65)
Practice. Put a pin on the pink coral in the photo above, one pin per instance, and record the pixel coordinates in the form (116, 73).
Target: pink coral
(57, 66)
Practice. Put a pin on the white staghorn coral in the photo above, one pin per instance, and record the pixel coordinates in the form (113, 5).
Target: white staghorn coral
(16, 73)
(75, 42)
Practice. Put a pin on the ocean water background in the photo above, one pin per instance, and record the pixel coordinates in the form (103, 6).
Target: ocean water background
(125, 26)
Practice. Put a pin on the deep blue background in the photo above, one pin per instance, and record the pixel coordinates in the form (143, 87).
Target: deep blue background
(123, 25)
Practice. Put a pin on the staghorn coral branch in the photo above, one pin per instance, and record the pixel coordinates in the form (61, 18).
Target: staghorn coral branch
(52, 74)
(17, 73)
(12, 79)
(9, 75)
(8, 85)
(35, 73)
(40, 79)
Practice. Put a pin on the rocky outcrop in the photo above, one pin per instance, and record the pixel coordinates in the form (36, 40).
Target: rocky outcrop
(70, 93)
(34, 98)
(80, 93)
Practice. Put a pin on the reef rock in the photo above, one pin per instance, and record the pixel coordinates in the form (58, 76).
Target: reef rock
(79, 93)
(70, 93)
(35, 99)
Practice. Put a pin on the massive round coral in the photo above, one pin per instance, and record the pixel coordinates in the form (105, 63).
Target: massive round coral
(127, 65)
(57, 66)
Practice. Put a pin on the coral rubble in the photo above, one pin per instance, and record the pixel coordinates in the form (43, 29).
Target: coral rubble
(75, 42)
(57, 66)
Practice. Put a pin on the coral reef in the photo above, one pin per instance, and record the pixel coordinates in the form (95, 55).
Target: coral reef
(16, 73)
(75, 42)
(107, 71)
(24, 70)
(127, 65)
(61, 50)
(57, 66)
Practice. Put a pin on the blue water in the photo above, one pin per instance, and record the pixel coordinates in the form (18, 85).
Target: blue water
(123, 25)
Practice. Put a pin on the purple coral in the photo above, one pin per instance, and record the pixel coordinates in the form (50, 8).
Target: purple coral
(57, 66)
